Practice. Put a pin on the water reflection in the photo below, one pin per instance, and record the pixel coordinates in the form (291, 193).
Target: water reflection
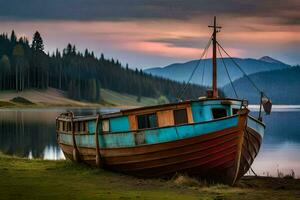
(281, 144)
(53, 153)
(31, 133)
(274, 159)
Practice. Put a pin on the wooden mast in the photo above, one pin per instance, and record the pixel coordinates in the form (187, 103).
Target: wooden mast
(214, 58)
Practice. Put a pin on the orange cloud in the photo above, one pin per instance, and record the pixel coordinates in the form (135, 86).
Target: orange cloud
(156, 48)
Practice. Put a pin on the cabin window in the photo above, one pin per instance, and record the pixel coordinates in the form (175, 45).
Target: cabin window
(65, 127)
(69, 126)
(61, 126)
(234, 111)
(147, 121)
(82, 126)
(105, 125)
(180, 117)
(77, 126)
(219, 113)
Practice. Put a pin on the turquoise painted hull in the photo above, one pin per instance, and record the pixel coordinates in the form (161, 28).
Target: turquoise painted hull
(149, 137)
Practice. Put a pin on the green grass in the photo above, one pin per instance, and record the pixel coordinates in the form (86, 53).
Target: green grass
(21, 100)
(6, 104)
(38, 179)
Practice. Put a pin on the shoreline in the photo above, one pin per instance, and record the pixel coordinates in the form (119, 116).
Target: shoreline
(53, 98)
(99, 106)
(44, 179)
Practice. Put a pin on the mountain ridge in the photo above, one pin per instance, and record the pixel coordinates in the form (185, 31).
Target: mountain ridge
(182, 71)
(271, 60)
(282, 86)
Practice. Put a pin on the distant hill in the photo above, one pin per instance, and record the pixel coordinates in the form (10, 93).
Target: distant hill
(282, 86)
(182, 71)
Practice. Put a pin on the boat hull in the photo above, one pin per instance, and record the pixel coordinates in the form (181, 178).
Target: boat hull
(220, 156)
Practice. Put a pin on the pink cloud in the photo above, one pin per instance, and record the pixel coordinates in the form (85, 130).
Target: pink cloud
(128, 39)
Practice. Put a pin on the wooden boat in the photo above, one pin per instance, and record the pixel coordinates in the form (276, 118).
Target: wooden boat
(210, 138)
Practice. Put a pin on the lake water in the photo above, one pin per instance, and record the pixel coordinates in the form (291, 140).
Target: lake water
(31, 133)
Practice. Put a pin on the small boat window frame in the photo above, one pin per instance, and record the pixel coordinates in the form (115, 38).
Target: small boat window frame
(65, 126)
(69, 127)
(147, 125)
(235, 111)
(105, 126)
(178, 121)
(61, 126)
(83, 127)
(218, 113)
(77, 127)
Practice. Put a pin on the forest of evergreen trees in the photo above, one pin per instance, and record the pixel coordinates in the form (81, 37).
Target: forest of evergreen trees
(81, 74)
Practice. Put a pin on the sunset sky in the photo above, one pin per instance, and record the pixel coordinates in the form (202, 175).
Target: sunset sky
(151, 33)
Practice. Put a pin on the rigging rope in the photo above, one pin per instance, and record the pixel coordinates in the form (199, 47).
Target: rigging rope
(236, 95)
(203, 71)
(239, 67)
(194, 70)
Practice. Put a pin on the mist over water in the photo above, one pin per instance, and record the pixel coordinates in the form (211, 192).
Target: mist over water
(30, 133)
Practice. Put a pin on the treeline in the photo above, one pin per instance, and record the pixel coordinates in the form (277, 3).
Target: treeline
(81, 74)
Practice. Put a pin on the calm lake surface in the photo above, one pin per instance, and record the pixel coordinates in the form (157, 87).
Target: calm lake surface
(31, 133)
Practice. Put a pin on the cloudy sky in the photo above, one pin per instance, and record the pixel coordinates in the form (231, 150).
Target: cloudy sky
(150, 33)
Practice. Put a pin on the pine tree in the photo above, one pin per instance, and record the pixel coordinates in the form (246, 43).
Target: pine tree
(37, 42)
(69, 49)
(86, 53)
(4, 72)
(13, 37)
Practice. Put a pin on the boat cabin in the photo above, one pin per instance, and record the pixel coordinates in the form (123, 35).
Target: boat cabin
(176, 114)
(149, 125)
(152, 117)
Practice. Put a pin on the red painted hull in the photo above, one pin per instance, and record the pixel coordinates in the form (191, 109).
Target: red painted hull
(222, 156)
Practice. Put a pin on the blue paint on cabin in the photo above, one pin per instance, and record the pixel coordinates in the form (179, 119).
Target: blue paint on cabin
(92, 127)
(187, 131)
(203, 112)
(81, 140)
(118, 124)
(85, 140)
(197, 112)
(117, 140)
(207, 114)
(65, 138)
(162, 135)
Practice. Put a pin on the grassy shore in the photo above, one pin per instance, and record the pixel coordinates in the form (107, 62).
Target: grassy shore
(39, 179)
(33, 98)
